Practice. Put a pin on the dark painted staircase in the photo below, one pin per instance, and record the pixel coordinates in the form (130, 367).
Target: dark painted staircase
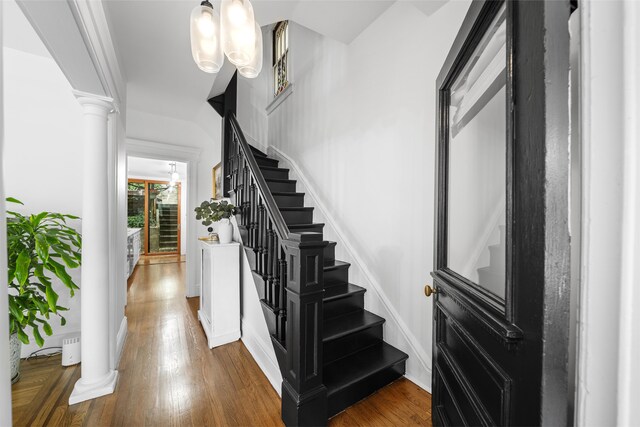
(355, 359)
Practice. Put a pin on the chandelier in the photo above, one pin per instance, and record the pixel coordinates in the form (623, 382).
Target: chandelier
(234, 33)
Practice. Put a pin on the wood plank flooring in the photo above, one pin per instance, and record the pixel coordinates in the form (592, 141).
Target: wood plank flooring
(168, 376)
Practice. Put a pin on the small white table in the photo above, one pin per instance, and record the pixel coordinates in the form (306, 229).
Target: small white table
(219, 311)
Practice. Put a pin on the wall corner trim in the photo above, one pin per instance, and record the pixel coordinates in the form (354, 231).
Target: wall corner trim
(413, 348)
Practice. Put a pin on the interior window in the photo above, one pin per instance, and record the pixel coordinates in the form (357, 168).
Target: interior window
(280, 54)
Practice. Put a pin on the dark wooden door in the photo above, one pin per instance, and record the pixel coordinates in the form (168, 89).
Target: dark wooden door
(502, 242)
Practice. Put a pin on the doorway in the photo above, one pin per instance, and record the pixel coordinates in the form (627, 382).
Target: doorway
(156, 211)
(155, 208)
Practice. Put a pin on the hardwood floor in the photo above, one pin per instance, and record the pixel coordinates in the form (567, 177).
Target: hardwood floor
(168, 376)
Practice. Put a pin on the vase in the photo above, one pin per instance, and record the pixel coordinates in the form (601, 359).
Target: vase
(14, 356)
(225, 231)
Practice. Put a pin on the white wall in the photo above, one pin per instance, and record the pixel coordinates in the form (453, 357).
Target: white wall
(360, 124)
(43, 146)
(203, 133)
(5, 377)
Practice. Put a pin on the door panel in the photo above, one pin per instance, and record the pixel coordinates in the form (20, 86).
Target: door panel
(502, 244)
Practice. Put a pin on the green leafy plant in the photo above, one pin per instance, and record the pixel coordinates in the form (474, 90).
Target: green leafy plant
(211, 211)
(39, 246)
(135, 221)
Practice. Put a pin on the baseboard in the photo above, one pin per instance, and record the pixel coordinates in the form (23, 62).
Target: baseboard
(121, 339)
(193, 290)
(256, 347)
(396, 331)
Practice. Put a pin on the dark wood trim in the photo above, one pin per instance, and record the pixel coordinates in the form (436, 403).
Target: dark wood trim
(542, 267)
(276, 216)
(532, 320)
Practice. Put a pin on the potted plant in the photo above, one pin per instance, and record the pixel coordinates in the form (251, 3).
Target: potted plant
(38, 246)
(211, 211)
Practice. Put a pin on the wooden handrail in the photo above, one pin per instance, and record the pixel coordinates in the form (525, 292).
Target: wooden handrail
(272, 208)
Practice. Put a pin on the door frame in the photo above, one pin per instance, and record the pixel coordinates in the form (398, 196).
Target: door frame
(608, 336)
(146, 214)
(186, 154)
(535, 314)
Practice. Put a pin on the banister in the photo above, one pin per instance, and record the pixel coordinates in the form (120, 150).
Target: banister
(290, 268)
(272, 208)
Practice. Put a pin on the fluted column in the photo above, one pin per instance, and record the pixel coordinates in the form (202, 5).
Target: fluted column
(97, 377)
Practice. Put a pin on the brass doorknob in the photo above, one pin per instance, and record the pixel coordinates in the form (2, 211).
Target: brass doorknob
(428, 290)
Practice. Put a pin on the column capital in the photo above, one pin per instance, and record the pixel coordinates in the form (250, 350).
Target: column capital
(95, 102)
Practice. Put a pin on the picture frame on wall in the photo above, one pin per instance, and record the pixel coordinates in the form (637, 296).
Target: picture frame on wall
(216, 176)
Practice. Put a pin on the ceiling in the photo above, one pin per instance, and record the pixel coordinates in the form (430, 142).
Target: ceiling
(18, 33)
(138, 167)
(152, 38)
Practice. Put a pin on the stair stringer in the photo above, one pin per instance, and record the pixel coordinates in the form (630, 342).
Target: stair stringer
(255, 333)
(396, 331)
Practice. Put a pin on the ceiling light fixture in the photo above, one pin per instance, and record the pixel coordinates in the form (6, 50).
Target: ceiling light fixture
(235, 33)
(175, 176)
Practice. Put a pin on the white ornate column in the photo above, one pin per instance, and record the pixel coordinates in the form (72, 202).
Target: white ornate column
(97, 377)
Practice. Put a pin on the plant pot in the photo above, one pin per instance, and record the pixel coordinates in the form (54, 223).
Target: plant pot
(15, 346)
(225, 231)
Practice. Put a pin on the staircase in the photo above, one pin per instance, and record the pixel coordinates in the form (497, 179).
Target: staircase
(168, 227)
(353, 360)
(492, 276)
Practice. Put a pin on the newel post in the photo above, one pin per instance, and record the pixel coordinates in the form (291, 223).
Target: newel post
(304, 397)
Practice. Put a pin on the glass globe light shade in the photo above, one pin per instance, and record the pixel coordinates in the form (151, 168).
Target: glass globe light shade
(252, 69)
(175, 177)
(238, 31)
(206, 45)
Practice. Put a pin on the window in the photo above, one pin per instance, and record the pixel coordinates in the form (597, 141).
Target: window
(280, 54)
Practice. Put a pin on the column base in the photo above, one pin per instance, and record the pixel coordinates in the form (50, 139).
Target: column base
(83, 391)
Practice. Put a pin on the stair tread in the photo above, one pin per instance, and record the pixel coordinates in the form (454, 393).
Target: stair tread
(355, 367)
(336, 292)
(286, 193)
(296, 209)
(336, 264)
(273, 168)
(280, 180)
(338, 327)
(314, 224)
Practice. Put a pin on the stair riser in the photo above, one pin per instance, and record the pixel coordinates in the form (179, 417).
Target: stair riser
(329, 254)
(344, 305)
(340, 274)
(281, 186)
(497, 257)
(275, 174)
(251, 256)
(297, 217)
(257, 152)
(264, 161)
(296, 201)
(311, 227)
(270, 317)
(346, 397)
(352, 343)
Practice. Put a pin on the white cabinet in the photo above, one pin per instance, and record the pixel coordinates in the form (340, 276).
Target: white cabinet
(219, 311)
(133, 248)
